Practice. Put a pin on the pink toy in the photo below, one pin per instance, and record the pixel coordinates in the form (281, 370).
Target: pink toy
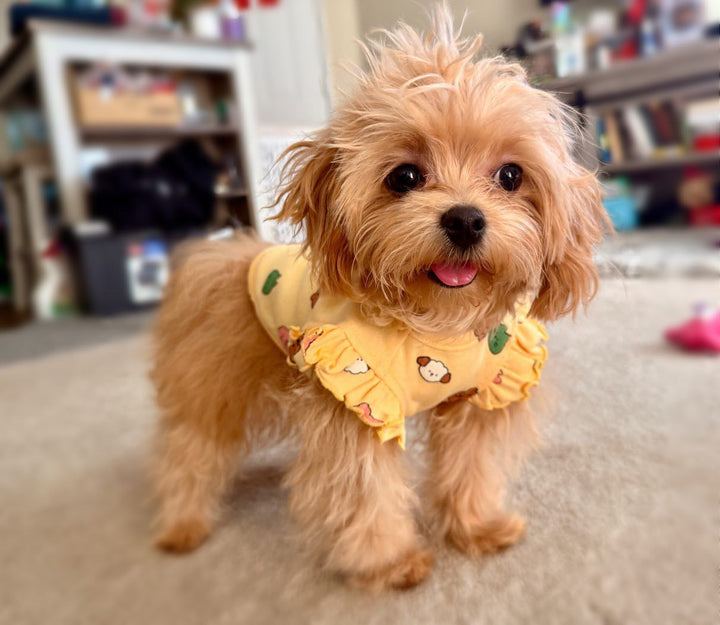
(701, 333)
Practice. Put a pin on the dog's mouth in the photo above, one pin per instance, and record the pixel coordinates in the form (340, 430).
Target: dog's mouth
(453, 275)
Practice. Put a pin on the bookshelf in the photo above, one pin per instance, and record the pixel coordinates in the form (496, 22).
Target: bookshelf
(667, 69)
(39, 70)
(109, 133)
(638, 116)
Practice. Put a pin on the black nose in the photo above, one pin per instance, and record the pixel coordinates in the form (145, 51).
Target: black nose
(463, 225)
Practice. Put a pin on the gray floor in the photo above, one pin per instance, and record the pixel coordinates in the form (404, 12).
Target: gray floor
(621, 501)
(36, 339)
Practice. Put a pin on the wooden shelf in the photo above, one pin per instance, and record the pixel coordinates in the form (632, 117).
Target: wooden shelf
(120, 133)
(224, 194)
(693, 158)
(669, 67)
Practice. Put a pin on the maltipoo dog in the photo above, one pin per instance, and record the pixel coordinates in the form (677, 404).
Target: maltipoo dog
(443, 217)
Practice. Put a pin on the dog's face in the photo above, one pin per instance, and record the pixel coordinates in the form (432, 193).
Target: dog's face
(444, 190)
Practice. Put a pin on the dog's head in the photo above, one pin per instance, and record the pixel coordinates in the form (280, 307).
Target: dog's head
(444, 190)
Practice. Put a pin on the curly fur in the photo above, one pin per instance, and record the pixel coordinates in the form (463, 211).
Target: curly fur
(223, 386)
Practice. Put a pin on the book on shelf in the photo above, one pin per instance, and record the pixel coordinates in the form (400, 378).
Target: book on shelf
(602, 141)
(703, 114)
(640, 139)
(657, 129)
(702, 119)
(617, 153)
(660, 123)
(671, 113)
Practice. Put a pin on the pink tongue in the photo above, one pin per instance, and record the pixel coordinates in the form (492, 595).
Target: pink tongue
(454, 275)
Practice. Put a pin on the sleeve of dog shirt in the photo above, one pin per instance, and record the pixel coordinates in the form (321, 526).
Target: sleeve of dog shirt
(279, 287)
(353, 377)
(517, 367)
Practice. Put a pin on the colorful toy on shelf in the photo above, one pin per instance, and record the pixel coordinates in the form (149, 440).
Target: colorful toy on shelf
(622, 202)
(699, 334)
(699, 195)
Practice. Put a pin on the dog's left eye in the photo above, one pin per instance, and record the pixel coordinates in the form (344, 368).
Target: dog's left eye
(404, 178)
(509, 176)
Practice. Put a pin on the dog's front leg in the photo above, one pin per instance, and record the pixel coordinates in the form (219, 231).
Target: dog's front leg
(348, 491)
(472, 450)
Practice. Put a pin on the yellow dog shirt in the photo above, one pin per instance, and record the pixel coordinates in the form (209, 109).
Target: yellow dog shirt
(384, 374)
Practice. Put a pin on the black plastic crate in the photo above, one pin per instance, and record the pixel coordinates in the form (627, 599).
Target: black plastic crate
(123, 272)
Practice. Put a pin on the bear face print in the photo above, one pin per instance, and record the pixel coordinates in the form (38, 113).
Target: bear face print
(433, 370)
(357, 367)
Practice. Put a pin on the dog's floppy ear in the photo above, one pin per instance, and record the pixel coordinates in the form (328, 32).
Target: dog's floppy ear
(446, 378)
(574, 225)
(422, 360)
(307, 193)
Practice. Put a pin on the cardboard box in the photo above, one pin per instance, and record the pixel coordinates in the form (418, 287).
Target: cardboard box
(105, 107)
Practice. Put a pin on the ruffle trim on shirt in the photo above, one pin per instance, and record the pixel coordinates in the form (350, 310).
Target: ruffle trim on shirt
(520, 369)
(340, 369)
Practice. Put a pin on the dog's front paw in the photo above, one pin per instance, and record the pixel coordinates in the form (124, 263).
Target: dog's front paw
(183, 536)
(494, 535)
(406, 572)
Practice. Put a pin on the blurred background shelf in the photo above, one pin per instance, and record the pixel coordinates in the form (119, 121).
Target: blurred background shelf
(681, 160)
(144, 133)
(99, 133)
(78, 101)
(651, 126)
(666, 68)
(50, 56)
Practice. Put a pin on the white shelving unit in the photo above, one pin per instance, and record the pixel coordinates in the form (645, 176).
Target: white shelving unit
(48, 49)
(41, 63)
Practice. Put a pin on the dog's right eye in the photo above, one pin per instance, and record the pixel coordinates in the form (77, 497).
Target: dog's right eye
(404, 178)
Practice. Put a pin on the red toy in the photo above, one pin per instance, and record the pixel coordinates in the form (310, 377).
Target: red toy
(701, 333)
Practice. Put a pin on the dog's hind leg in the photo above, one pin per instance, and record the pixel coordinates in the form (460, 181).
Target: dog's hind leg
(193, 468)
(212, 362)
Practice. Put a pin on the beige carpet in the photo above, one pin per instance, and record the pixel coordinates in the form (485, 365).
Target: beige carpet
(622, 502)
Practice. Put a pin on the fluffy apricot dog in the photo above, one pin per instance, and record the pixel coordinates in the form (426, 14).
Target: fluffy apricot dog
(444, 219)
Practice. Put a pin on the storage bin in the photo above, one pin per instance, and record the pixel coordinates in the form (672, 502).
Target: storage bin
(112, 107)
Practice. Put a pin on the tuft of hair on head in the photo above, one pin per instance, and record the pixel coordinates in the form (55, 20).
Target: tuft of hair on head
(441, 48)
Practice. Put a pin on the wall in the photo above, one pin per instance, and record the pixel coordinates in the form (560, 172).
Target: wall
(347, 20)
(342, 27)
(498, 20)
(290, 64)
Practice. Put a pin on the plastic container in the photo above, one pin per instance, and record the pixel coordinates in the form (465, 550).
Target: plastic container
(123, 272)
